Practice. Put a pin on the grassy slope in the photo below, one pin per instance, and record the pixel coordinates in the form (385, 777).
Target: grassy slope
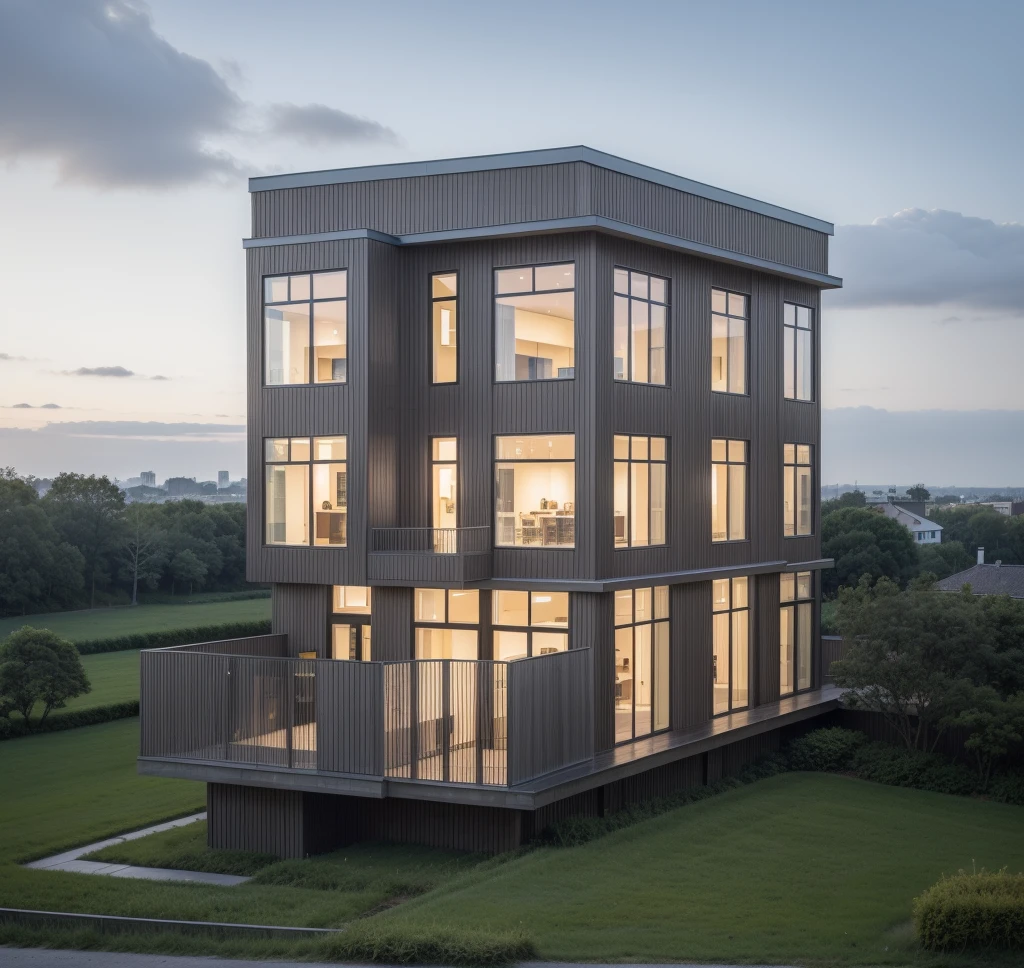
(798, 868)
(103, 623)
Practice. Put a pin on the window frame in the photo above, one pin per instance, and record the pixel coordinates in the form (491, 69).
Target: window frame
(312, 346)
(529, 628)
(478, 626)
(796, 328)
(630, 298)
(533, 267)
(431, 462)
(310, 509)
(728, 503)
(790, 470)
(633, 624)
(793, 604)
(746, 336)
(730, 611)
(629, 461)
(431, 299)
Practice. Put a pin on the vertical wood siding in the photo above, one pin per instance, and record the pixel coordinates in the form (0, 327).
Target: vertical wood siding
(768, 638)
(302, 613)
(592, 618)
(691, 653)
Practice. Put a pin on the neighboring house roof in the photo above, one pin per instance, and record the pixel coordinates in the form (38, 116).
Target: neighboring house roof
(913, 522)
(987, 580)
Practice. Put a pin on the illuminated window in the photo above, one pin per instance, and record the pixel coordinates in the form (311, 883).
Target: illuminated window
(796, 489)
(641, 327)
(444, 482)
(350, 624)
(640, 491)
(728, 490)
(534, 323)
(529, 623)
(729, 315)
(291, 504)
(796, 621)
(444, 306)
(305, 328)
(535, 491)
(798, 352)
(447, 623)
(730, 645)
(641, 662)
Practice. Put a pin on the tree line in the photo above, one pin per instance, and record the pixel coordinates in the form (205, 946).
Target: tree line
(82, 545)
(865, 542)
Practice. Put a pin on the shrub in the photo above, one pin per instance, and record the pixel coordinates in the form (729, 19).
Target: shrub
(1007, 788)
(163, 639)
(825, 750)
(413, 944)
(13, 728)
(972, 910)
(899, 766)
(38, 666)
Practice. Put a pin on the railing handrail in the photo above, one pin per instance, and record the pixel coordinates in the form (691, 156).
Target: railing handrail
(471, 527)
(196, 646)
(474, 539)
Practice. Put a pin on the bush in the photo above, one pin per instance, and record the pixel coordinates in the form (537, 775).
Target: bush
(972, 910)
(168, 637)
(1007, 788)
(825, 750)
(898, 766)
(411, 944)
(14, 728)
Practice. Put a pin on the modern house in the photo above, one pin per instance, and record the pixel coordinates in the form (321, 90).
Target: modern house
(533, 464)
(993, 579)
(923, 530)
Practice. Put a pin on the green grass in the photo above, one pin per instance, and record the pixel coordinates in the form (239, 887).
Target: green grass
(799, 868)
(101, 623)
(114, 677)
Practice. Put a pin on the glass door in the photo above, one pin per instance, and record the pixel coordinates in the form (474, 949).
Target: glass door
(351, 640)
(444, 482)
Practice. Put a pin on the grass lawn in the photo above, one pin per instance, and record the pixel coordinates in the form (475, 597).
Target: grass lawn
(801, 868)
(101, 623)
(114, 677)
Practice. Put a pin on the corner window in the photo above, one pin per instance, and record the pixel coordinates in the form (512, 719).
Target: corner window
(729, 315)
(305, 328)
(798, 350)
(728, 490)
(444, 310)
(534, 323)
(796, 489)
(529, 623)
(641, 327)
(796, 624)
(447, 623)
(641, 662)
(535, 491)
(306, 491)
(640, 491)
(731, 645)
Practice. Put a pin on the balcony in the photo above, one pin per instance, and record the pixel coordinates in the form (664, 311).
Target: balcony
(356, 726)
(417, 555)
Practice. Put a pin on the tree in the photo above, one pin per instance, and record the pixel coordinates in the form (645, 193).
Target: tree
(185, 566)
(996, 725)
(943, 560)
(918, 493)
(142, 548)
(864, 542)
(87, 513)
(37, 665)
(850, 499)
(982, 527)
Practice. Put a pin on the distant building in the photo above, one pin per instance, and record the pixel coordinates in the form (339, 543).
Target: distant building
(182, 487)
(1008, 508)
(994, 579)
(148, 478)
(223, 478)
(923, 530)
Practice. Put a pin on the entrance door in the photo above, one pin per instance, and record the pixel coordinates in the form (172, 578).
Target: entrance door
(444, 481)
(351, 640)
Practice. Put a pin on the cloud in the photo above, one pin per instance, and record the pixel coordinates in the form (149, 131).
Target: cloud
(33, 406)
(158, 377)
(12, 359)
(118, 371)
(140, 428)
(318, 124)
(93, 87)
(931, 258)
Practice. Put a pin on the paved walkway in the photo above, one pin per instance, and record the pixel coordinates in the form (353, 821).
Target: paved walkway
(71, 860)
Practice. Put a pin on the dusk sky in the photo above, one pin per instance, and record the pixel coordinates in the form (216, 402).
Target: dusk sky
(127, 131)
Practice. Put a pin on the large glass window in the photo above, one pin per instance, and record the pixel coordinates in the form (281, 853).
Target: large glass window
(796, 621)
(796, 489)
(641, 662)
(798, 349)
(728, 490)
(640, 490)
(730, 645)
(535, 491)
(291, 504)
(534, 323)
(444, 480)
(305, 328)
(444, 306)
(529, 623)
(350, 624)
(641, 327)
(447, 623)
(729, 314)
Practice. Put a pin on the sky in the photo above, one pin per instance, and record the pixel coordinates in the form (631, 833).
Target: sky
(127, 132)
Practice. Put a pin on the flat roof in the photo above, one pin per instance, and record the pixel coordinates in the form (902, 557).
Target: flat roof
(529, 159)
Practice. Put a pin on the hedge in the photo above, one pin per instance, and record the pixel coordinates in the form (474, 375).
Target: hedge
(972, 910)
(168, 637)
(13, 728)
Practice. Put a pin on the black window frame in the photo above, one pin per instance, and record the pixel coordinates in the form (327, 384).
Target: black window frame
(628, 461)
(530, 628)
(431, 299)
(478, 626)
(730, 610)
(789, 470)
(793, 603)
(430, 482)
(746, 489)
(630, 299)
(796, 328)
(653, 621)
(746, 336)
